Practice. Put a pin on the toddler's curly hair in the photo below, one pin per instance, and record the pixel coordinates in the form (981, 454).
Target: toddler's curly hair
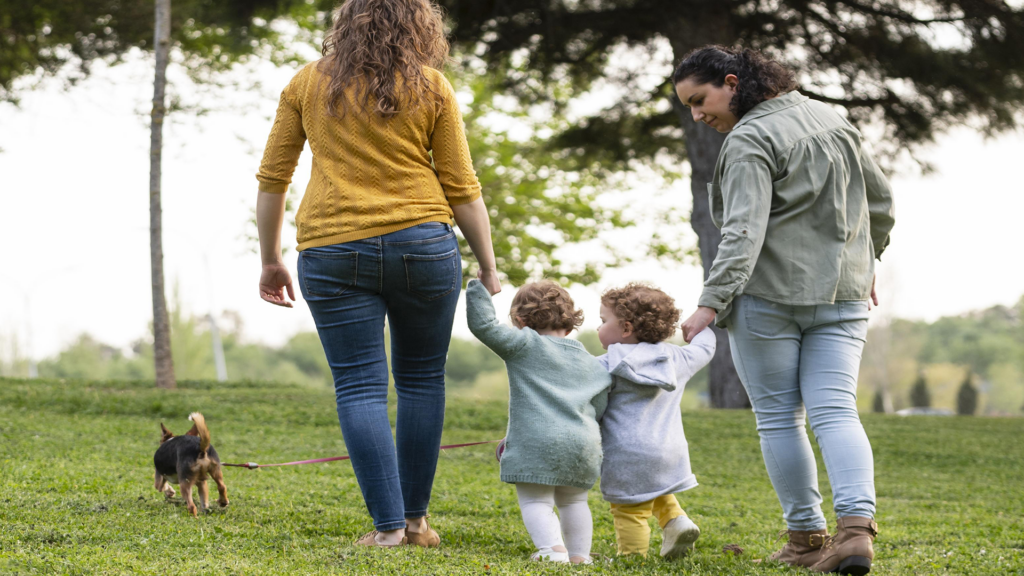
(545, 305)
(651, 312)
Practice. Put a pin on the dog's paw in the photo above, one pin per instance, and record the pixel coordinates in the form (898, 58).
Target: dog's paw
(223, 503)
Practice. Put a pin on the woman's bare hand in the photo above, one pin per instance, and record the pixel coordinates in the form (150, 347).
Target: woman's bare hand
(697, 322)
(874, 297)
(274, 281)
(489, 278)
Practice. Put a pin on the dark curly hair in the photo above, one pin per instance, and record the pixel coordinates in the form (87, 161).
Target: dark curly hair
(545, 305)
(760, 77)
(652, 313)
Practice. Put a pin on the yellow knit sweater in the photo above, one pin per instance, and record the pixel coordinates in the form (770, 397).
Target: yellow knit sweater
(371, 175)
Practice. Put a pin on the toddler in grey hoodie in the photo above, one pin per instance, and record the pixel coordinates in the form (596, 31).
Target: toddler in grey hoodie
(646, 459)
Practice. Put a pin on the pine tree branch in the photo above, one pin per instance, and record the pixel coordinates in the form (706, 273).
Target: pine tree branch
(890, 99)
(897, 14)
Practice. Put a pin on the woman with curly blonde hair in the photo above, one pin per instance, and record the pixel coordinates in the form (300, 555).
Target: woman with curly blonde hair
(391, 170)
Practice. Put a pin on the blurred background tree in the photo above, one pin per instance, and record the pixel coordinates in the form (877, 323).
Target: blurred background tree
(919, 396)
(967, 398)
(906, 70)
(878, 405)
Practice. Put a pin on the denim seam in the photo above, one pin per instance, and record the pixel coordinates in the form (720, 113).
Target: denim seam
(380, 265)
(771, 452)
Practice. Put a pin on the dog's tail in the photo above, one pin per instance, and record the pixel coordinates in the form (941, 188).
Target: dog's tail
(202, 431)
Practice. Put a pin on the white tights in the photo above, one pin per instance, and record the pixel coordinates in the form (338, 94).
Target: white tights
(537, 503)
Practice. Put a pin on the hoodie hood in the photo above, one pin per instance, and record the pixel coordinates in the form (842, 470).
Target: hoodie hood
(643, 363)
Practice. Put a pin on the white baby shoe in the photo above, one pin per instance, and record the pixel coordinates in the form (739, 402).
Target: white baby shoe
(550, 555)
(678, 537)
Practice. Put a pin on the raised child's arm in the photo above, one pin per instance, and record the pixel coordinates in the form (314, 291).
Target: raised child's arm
(690, 359)
(503, 340)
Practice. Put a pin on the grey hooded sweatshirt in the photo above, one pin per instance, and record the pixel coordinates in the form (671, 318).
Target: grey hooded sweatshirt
(645, 450)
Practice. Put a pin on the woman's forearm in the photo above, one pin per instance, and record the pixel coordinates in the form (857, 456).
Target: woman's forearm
(475, 224)
(269, 219)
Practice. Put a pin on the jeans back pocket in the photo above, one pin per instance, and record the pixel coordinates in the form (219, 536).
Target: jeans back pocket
(432, 276)
(765, 318)
(327, 275)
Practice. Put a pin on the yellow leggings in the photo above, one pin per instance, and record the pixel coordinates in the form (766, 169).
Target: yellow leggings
(632, 532)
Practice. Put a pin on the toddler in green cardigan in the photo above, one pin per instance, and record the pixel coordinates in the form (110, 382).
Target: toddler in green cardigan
(557, 393)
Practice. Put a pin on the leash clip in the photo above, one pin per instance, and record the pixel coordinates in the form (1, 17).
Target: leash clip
(251, 465)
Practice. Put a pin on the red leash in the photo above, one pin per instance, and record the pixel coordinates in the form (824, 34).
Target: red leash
(253, 465)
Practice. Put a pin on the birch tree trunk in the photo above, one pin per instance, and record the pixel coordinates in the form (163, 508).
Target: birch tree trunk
(161, 325)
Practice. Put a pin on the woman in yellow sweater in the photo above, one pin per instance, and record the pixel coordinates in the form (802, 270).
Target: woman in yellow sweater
(391, 170)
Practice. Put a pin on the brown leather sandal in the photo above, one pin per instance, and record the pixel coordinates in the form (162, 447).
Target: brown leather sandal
(370, 539)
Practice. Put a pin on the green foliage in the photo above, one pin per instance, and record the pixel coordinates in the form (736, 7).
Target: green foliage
(967, 398)
(541, 199)
(46, 36)
(919, 396)
(78, 495)
(466, 360)
(988, 344)
(977, 340)
(918, 68)
(591, 342)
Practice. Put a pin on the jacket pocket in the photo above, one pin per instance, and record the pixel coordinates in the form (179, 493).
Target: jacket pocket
(327, 275)
(432, 276)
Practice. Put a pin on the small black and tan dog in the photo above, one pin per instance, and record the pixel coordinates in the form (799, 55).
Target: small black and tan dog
(187, 461)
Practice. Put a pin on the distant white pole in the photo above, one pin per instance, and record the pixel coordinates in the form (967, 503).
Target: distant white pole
(218, 346)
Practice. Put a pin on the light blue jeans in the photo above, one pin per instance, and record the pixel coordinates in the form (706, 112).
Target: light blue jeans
(792, 357)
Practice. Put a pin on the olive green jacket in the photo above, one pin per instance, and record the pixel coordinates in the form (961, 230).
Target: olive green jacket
(803, 209)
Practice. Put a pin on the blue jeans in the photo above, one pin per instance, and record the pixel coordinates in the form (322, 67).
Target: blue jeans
(413, 277)
(789, 357)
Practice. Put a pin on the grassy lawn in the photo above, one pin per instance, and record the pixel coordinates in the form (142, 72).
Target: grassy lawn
(76, 484)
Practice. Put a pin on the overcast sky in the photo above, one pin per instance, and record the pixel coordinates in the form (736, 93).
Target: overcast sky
(74, 219)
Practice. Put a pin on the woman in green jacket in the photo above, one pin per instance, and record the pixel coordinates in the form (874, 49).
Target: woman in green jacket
(804, 212)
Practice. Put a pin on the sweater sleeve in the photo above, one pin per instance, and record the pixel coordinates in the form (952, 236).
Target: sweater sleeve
(690, 359)
(284, 145)
(450, 148)
(505, 341)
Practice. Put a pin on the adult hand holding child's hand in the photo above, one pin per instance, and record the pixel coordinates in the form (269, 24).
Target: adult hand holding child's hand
(697, 322)
(489, 278)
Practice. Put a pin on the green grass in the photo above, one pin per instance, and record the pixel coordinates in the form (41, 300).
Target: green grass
(77, 493)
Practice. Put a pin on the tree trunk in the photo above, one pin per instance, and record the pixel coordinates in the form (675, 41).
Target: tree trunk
(161, 325)
(702, 147)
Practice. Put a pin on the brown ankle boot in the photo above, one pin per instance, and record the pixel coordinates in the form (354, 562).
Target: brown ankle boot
(850, 550)
(803, 548)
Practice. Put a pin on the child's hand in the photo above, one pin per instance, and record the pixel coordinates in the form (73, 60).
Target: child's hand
(697, 322)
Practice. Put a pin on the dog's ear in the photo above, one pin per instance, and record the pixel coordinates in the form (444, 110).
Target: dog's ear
(165, 434)
(193, 431)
